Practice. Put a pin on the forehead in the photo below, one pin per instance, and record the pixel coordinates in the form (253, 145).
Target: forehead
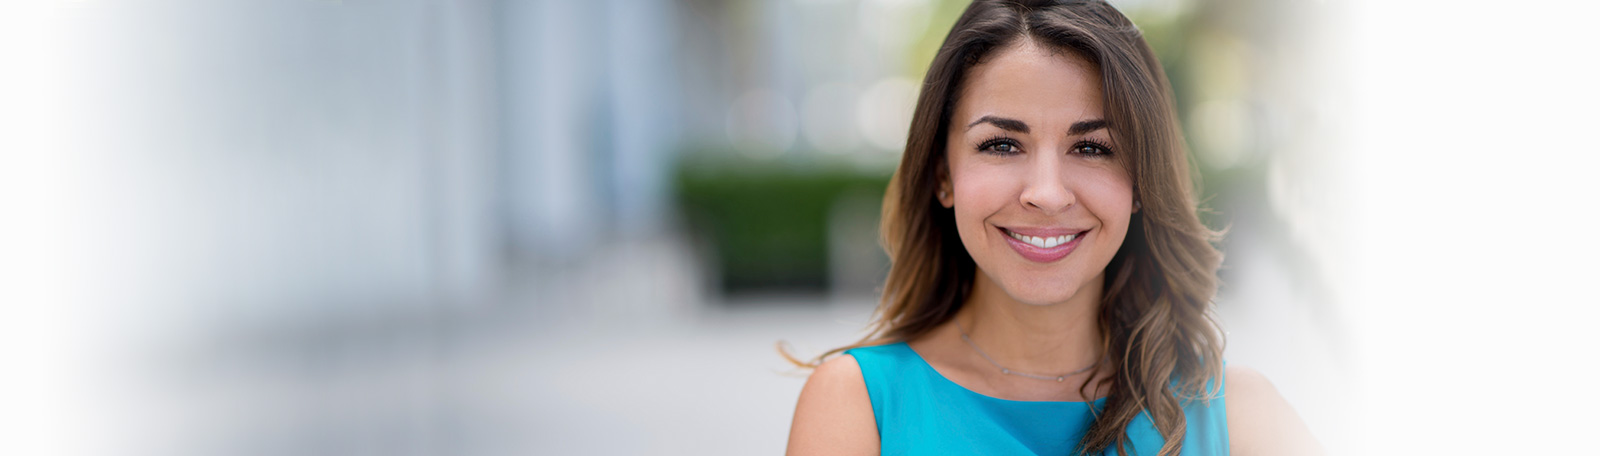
(1031, 83)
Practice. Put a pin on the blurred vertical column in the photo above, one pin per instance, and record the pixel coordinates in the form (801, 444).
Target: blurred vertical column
(644, 94)
(589, 130)
(589, 89)
(464, 105)
(550, 73)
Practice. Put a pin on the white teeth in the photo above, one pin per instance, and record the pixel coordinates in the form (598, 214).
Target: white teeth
(1044, 243)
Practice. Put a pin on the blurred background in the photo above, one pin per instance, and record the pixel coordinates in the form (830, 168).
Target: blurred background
(483, 227)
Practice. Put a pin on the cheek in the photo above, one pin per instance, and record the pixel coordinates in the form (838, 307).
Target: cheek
(1111, 200)
(1112, 196)
(981, 191)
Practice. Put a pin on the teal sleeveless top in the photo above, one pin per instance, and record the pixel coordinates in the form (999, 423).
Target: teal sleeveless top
(919, 412)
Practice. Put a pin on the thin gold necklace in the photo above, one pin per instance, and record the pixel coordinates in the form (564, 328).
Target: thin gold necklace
(1008, 371)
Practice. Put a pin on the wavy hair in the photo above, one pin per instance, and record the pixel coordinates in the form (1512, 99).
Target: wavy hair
(1156, 313)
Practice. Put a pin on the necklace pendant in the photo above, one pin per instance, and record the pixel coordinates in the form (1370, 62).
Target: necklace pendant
(1061, 378)
(1005, 371)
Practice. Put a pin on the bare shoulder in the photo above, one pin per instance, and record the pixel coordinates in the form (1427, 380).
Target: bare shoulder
(1260, 421)
(834, 415)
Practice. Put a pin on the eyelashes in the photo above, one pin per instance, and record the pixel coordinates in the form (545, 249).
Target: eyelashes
(1004, 146)
(1000, 145)
(1092, 147)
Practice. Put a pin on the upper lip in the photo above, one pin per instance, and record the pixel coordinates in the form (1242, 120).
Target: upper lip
(1043, 231)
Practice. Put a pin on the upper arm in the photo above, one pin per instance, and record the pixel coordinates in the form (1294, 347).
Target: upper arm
(1260, 421)
(834, 415)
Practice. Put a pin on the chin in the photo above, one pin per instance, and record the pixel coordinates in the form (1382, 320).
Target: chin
(1039, 294)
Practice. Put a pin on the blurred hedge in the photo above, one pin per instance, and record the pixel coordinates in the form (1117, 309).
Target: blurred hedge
(767, 220)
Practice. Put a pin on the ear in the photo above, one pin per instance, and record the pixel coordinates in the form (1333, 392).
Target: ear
(945, 192)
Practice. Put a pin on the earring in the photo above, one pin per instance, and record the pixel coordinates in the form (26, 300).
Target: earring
(1136, 205)
(941, 194)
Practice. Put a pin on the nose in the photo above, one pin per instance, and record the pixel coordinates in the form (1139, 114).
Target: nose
(1045, 187)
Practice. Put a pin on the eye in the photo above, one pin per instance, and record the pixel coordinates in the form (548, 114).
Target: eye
(1091, 148)
(1000, 146)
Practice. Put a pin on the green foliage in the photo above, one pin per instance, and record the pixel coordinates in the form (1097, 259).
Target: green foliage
(767, 221)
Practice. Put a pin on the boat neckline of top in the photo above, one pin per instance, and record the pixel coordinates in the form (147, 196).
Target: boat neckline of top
(941, 376)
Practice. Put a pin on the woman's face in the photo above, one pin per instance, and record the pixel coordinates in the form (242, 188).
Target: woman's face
(1040, 202)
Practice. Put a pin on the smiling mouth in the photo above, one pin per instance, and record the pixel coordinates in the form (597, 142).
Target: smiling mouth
(1043, 245)
(1043, 242)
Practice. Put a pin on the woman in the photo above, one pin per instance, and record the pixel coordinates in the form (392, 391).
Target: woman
(1051, 283)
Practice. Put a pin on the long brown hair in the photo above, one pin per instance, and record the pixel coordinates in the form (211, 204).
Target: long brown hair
(1155, 315)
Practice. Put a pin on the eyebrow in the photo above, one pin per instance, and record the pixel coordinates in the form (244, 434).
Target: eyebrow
(1004, 123)
(1087, 126)
(1078, 128)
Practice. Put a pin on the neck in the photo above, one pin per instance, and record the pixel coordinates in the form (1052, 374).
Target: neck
(1040, 339)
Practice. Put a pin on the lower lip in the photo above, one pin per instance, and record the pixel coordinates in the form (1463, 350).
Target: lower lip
(1040, 254)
